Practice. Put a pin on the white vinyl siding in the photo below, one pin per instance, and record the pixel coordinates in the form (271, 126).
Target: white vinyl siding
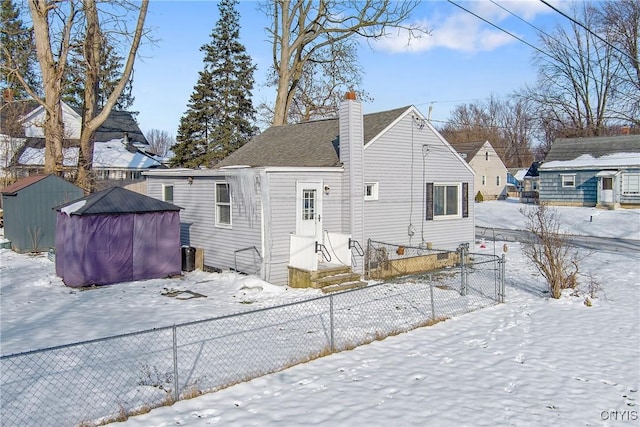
(402, 188)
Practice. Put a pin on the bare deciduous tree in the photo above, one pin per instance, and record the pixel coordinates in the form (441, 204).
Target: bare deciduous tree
(619, 20)
(160, 142)
(506, 123)
(52, 68)
(576, 77)
(91, 119)
(302, 28)
(324, 81)
(550, 250)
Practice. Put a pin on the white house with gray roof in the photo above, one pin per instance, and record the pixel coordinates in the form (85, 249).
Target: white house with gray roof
(598, 171)
(310, 196)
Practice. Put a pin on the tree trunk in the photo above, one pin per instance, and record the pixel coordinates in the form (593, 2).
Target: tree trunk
(51, 76)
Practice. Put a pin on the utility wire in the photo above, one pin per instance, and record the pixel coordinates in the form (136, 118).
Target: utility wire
(588, 30)
(553, 59)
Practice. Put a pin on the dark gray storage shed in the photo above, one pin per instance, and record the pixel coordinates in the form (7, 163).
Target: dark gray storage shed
(29, 215)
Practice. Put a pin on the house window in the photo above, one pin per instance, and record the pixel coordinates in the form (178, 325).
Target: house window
(484, 180)
(607, 183)
(371, 191)
(568, 180)
(498, 180)
(631, 184)
(223, 205)
(486, 155)
(445, 200)
(167, 193)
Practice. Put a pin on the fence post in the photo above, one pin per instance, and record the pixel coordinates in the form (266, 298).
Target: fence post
(433, 305)
(502, 276)
(176, 393)
(331, 326)
(367, 260)
(462, 251)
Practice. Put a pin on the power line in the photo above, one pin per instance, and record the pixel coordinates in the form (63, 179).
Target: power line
(575, 21)
(553, 59)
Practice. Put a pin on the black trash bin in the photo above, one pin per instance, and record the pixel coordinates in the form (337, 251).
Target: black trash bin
(188, 258)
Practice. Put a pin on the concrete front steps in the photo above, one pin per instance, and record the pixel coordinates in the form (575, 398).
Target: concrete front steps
(328, 278)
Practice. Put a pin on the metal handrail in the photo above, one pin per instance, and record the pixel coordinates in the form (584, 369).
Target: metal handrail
(235, 254)
(354, 244)
(324, 251)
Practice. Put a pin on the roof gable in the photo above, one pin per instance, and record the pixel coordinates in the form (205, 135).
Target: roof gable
(32, 116)
(117, 200)
(468, 149)
(315, 143)
(23, 183)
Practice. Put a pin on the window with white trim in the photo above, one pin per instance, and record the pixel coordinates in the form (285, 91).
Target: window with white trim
(498, 181)
(631, 184)
(223, 205)
(446, 200)
(167, 193)
(371, 191)
(568, 180)
(484, 180)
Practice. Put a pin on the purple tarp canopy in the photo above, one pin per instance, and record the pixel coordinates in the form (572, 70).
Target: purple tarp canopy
(100, 249)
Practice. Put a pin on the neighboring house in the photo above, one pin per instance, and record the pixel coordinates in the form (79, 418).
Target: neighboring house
(531, 184)
(515, 178)
(599, 171)
(326, 186)
(491, 173)
(29, 215)
(119, 149)
(116, 235)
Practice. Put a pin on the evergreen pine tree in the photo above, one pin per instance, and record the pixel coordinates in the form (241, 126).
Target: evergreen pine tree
(220, 114)
(17, 52)
(110, 73)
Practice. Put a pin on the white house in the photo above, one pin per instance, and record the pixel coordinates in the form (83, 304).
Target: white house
(310, 195)
(491, 173)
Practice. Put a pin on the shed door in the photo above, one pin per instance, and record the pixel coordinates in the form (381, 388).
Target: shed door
(309, 209)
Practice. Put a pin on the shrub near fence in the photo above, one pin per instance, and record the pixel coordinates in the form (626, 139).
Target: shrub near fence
(99, 381)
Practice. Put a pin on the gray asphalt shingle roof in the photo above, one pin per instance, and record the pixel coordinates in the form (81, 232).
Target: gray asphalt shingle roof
(469, 149)
(314, 144)
(564, 149)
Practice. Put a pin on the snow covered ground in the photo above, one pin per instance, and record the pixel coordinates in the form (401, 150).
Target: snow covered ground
(529, 362)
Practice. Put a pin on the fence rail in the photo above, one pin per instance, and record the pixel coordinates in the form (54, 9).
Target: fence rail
(99, 381)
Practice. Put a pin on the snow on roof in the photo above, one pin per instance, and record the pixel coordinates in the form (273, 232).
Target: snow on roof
(109, 154)
(73, 207)
(520, 174)
(587, 161)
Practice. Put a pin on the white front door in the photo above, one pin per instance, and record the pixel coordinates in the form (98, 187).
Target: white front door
(606, 189)
(309, 209)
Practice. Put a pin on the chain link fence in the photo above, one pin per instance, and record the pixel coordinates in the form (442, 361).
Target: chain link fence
(105, 380)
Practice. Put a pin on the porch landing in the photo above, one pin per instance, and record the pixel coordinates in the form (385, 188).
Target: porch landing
(328, 278)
